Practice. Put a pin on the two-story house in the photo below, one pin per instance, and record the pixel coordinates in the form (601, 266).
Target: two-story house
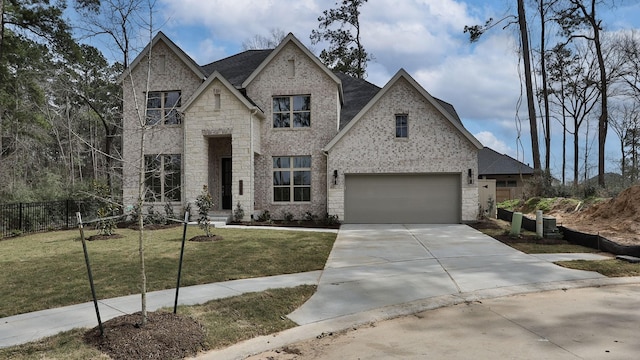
(276, 130)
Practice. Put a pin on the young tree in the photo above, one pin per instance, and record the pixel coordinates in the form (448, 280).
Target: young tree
(346, 52)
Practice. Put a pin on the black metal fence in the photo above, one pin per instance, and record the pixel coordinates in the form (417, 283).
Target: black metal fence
(23, 218)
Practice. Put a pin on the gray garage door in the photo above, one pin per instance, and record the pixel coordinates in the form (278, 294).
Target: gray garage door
(398, 198)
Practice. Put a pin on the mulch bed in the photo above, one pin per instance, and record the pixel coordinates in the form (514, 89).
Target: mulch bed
(508, 239)
(205, 238)
(282, 223)
(165, 336)
(104, 237)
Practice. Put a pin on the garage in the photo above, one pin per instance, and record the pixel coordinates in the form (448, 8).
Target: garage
(403, 198)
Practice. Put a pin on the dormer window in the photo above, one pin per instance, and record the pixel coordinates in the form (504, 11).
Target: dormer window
(292, 111)
(162, 108)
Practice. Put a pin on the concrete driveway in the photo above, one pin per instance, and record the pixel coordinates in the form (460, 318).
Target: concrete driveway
(373, 266)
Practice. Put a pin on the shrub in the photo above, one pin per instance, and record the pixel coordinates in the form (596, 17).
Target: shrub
(265, 216)
(106, 210)
(309, 216)
(204, 202)
(288, 216)
(238, 213)
(330, 219)
(168, 210)
(154, 217)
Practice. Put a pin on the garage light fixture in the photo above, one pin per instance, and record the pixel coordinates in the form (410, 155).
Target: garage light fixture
(470, 173)
(335, 177)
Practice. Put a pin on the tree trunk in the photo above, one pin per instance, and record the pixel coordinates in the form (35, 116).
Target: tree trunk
(576, 159)
(1, 31)
(603, 122)
(545, 92)
(533, 121)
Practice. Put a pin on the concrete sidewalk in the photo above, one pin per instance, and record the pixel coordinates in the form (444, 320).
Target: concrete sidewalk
(23, 328)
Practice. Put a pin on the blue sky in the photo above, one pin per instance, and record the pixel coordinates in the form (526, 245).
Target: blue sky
(425, 37)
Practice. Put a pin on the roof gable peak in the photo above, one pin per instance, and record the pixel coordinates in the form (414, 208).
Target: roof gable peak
(161, 37)
(290, 38)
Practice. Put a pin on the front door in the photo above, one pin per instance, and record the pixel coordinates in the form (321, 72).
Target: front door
(226, 183)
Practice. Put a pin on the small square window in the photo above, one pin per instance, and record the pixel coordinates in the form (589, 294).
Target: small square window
(402, 126)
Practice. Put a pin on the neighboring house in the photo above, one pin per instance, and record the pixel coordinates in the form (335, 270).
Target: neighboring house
(276, 130)
(510, 174)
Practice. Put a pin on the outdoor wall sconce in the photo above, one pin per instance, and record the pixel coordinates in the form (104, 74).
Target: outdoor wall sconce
(470, 173)
(335, 177)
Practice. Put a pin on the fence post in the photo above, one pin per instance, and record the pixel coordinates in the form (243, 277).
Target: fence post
(20, 218)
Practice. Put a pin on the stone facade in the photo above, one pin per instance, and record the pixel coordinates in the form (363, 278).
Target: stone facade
(215, 129)
(225, 121)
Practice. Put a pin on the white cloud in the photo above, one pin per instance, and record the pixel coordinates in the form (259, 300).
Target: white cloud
(488, 139)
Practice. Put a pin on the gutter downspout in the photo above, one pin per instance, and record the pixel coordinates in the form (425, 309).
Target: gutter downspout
(251, 161)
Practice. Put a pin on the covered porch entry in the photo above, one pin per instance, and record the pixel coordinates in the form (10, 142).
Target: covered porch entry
(220, 171)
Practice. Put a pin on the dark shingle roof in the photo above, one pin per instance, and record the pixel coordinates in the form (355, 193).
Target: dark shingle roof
(357, 93)
(237, 68)
(491, 162)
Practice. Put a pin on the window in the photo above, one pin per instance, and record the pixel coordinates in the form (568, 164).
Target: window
(506, 183)
(292, 175)
(162, 177)
(162, 107)
(292, 111)
(402, 127)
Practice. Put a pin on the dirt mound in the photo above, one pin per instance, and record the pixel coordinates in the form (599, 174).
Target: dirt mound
(625, 206)
(617, 219)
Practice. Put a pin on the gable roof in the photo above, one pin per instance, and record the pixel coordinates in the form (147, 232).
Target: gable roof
(229, 86)
(160, 36)
(239, 67)
(292, 39)
(441, 106)
(490, 162)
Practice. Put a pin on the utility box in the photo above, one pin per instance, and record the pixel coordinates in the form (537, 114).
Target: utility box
(549, 227)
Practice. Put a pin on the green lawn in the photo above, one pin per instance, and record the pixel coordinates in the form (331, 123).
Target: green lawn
(609, 268)
(226, 322)
(47, 270)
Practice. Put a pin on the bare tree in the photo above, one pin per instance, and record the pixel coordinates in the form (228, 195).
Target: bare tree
(580, 97)
(259, 42)
(578, 16)
(116, 23)
(625, 122)
(476, 31)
